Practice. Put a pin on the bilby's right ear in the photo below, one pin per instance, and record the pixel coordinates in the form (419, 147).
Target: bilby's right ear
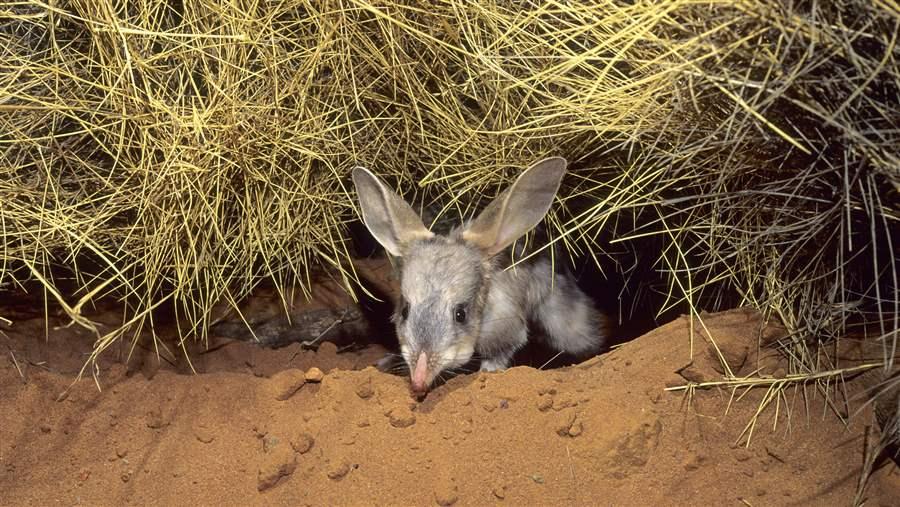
(391, 221)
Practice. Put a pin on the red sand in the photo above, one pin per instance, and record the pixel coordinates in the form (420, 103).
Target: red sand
(249, 430)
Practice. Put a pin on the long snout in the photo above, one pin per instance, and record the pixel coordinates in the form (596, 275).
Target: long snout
(419, 375)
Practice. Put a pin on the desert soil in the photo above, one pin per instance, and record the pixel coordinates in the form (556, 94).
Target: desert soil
(291, 426)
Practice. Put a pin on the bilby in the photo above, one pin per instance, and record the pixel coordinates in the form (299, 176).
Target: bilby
(457, 297)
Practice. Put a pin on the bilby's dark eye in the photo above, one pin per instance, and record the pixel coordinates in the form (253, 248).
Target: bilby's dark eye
(459, 313)
(404, 311)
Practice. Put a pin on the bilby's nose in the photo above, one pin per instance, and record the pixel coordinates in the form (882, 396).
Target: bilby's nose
(419, 375)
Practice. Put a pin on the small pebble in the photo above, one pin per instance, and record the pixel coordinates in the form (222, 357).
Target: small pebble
(565, 422)
(445, 494)
(302, 442)
(365, 390)
(576, 429)
(314, 375)
(339, 471)
(544, 403)
(401, 418)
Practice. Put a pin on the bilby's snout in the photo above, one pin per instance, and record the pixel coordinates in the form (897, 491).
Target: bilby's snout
(428, 364)
(419, 374)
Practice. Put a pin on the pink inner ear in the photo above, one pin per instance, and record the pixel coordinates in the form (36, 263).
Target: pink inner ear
(420, 373)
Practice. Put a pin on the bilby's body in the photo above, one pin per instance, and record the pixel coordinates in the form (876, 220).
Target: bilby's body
(457, 300)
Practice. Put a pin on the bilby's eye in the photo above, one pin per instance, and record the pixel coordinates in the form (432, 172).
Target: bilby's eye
(459, 314)
(404, 310)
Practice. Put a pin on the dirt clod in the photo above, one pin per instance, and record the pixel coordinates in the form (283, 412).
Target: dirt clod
(339, 471)
(314, 375)
(281, 462)
(576, 429)
(401, 417)
(565, 421)
(302, 442)
(445, 494)
(284, 384)
(365, 390)
(544, 403)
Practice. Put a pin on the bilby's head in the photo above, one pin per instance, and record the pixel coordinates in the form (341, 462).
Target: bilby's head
(444, 280)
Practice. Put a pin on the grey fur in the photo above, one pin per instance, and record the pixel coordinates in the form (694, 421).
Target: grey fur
(439, 275)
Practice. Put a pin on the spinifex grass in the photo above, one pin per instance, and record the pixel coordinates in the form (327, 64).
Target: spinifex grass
(176, 154)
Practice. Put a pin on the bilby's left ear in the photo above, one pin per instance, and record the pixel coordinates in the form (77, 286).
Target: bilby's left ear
(519, 209)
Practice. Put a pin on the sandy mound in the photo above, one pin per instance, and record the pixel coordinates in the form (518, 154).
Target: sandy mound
(265, 427)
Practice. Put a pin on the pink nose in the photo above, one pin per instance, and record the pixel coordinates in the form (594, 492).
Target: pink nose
(419, 375)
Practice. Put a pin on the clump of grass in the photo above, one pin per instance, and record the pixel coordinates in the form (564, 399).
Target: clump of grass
(772, 183)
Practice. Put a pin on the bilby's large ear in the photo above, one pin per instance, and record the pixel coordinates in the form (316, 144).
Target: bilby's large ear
(391, 221)
(518, 209)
